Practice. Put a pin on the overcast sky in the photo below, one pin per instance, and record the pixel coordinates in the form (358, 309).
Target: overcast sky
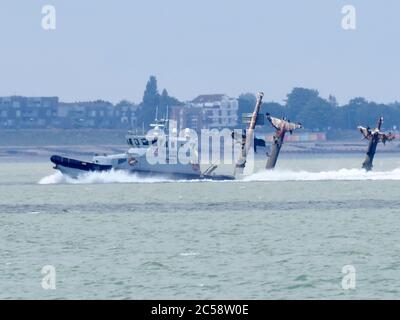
(108, 49)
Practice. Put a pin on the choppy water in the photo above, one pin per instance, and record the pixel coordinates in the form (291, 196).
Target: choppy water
(282, 234)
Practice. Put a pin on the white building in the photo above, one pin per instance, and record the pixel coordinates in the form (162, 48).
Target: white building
(220, 111)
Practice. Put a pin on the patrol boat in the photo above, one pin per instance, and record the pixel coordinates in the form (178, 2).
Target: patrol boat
(136, 159)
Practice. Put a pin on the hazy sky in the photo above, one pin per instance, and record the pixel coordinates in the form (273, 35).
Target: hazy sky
(108, 49)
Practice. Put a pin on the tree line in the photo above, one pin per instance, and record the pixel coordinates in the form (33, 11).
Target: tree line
(319, 114)
(301, 105)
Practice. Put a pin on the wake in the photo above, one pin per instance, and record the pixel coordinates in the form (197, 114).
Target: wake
(107, 177)
(99, 178)
(342, 174)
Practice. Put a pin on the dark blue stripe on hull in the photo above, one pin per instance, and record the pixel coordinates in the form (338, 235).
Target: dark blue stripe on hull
(80, 165)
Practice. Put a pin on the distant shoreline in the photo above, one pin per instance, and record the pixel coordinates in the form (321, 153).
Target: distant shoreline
(86, 151)
(84, 143)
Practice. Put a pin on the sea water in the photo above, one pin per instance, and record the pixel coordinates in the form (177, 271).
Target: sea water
(286, 234)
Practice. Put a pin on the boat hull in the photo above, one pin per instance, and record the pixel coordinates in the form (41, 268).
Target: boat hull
(75, 168)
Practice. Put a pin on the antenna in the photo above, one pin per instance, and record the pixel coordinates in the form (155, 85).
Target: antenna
(380, 122)
(167, 118)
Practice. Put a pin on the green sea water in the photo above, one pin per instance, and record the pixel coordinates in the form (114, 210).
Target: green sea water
(285, 234)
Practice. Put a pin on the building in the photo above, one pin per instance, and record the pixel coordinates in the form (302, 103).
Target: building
(27, 112)
(125, 115)
(18, 112)
(219, 110)
(206, 112)
(93, 114)
(187, 117)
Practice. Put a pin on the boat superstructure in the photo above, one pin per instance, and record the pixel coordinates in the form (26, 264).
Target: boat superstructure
(151, 154)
